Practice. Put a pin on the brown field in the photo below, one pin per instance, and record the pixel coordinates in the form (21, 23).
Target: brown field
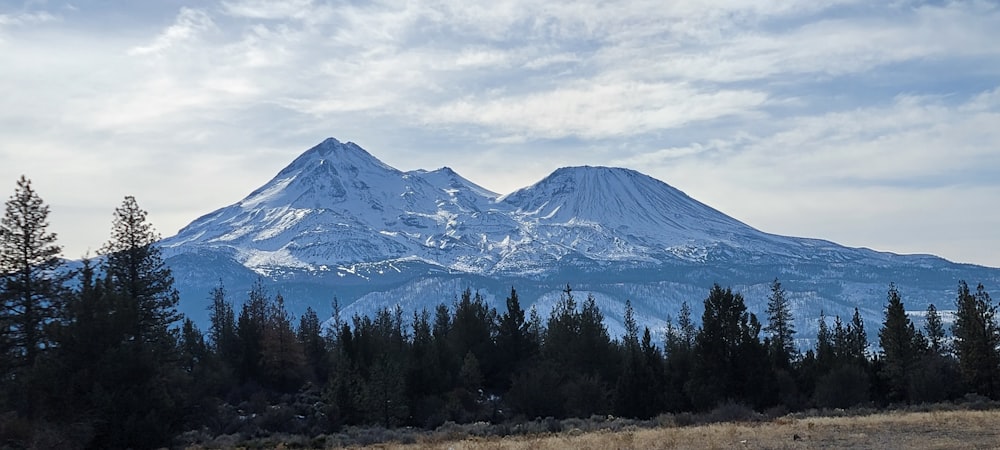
(891, 430)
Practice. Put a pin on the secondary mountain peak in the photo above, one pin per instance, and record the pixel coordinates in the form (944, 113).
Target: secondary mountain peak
(622, 199)
(450, 180)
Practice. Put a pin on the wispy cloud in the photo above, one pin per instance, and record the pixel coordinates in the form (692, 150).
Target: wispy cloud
(189, 25)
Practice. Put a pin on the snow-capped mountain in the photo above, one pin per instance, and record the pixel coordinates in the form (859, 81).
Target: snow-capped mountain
(337, 222)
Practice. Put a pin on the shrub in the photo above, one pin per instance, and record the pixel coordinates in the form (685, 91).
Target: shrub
(730, 412)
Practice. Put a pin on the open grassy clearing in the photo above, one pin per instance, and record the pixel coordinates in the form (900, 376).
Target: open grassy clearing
(891, 430)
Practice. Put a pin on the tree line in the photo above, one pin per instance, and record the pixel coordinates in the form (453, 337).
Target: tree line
(99, 357)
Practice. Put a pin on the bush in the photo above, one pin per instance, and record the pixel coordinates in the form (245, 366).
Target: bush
(730, 412)
(843, 387)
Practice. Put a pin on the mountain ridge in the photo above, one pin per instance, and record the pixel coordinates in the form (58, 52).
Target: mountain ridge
(337, 221)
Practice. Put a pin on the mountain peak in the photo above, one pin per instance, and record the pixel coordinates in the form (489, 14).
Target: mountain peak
(321, 175)
(346, 155)
(449, 179)
(619, 198)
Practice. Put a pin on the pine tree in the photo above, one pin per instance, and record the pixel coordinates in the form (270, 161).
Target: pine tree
(424, 374)
(222, 333)
(637, 390)
(729, 335)
(562, 330)
(250, 328)
(677, 367)
(686, 326)
(825, 356)
(857, 338)
(144, 400)
(193, 350)
(134, 264)
(780, 326)
(282, 360)
(513, 341)
(934, 328)
(596, 352)
(899, 341)
(536, 330)
(31, 279)
(473, 329)
(631, 338)
(312, 343)
(447, 357)
(977, 339)
(679, 351)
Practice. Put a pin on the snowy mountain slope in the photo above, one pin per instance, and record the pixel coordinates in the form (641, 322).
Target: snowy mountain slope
(339, 222)
(337, 205)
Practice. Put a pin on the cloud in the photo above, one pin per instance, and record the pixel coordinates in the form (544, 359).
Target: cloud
(270, 10)
(190, 23)
(597, 110)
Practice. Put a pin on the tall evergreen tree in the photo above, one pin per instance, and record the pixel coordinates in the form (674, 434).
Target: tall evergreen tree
(514, 341)
(425, 376)
(137, 269)
(536, 329)
(193, 349)
(977, 339)
(313, 345)
(562, 329)
(729, 335)
(685, 325)
(250, 328)
(282, 360)
(144, 404)
(638, 388)
(222, 331)
(31, 280)
(857, 338)
(900, 346)
(824, 344)
(780, 326)
(473, 329)
(679, 354)
(597, 353)
(934, 329)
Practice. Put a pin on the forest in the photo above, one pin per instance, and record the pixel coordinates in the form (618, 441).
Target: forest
(99, 357)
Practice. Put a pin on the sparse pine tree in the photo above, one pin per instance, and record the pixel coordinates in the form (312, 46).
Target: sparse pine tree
(250, 332)
(514, 341)
(282, 360)
(138, 272)
(934, 328)
(313, 346)
(858, 338)
(825, 355)
(631, 328)
(898, 339)
(144, 392)
(977, 339)
(31, 279)
(222, 333)
(686, 326)
(780, 326)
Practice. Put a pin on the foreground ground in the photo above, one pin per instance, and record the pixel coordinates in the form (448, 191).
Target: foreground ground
(909, 430)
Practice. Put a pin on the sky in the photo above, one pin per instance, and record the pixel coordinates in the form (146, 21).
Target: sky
(870, 124)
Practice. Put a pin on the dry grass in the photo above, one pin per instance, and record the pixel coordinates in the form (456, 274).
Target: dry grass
(891, 430)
